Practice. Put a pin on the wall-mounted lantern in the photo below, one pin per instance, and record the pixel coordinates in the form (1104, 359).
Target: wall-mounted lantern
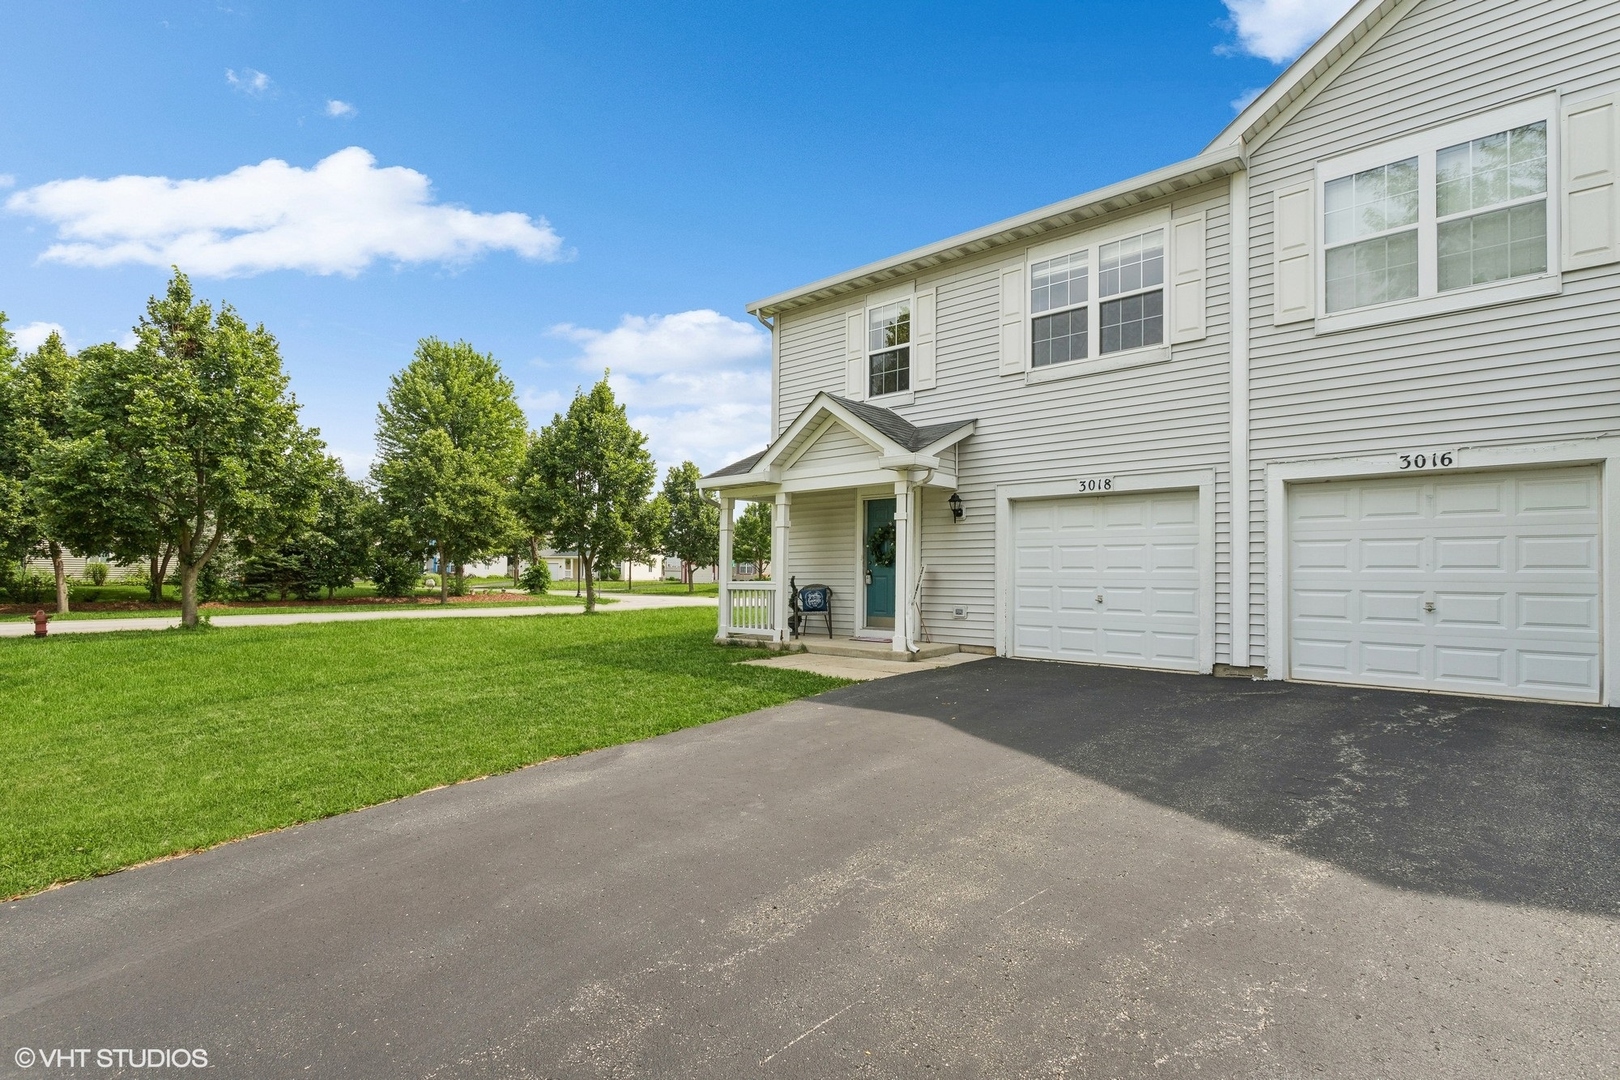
(956, 506)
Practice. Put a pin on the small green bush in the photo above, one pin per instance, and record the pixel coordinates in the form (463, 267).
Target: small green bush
(96, 572)
(395, 575)
(537, 578)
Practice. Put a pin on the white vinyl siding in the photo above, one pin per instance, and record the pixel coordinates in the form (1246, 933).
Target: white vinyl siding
(820, 552)
(1537, 370)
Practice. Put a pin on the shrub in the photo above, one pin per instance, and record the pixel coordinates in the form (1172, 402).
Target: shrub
(537, 578)
(395, 575)
(29, 588)
(96, 572)
(458, 585)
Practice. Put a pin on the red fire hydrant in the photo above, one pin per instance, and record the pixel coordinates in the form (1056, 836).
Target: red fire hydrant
(41, 621)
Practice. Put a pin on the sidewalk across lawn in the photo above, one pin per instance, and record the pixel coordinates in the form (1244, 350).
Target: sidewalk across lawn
(125, 747)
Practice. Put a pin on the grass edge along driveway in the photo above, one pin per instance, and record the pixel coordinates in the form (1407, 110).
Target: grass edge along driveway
(124, 747)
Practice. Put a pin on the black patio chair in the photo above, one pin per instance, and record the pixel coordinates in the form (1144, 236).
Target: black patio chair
(810, 600)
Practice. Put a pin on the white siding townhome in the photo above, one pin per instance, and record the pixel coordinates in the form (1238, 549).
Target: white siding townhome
(1336, 400)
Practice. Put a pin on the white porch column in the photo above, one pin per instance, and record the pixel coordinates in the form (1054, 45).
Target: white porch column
(726, 506)
(902, 565)
(779, 560)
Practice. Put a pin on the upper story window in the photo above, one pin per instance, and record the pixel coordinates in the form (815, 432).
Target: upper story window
(1491, 207)
(1127, 312)
(888, 348)
(1457, 208)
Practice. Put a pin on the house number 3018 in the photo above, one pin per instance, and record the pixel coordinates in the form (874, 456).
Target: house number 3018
(1431, 459)
(1096, 483)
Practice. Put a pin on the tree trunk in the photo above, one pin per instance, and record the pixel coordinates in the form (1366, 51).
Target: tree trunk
(590, 582)
(163, 572)
(154, 581)
(61, 578)
(688, 574)
(444, 575)
(630, 575)
(188, 594)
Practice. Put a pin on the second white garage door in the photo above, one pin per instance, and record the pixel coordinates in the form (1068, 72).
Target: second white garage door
(1108, 579)
(1475, 582)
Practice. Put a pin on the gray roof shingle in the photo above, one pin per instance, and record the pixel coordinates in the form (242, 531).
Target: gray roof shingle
(890, 423)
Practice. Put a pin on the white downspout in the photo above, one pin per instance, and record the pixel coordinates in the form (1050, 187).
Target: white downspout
(1240, 508)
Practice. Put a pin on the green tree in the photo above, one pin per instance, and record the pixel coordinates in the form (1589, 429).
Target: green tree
(751, 542)
(450, 442)
(585, 479)
(339, 543)
(648, 524)
(187, 440)
(693, 535)
(37, 390)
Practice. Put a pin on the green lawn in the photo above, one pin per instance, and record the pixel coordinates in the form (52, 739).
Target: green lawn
(362, 601)
(117, 748)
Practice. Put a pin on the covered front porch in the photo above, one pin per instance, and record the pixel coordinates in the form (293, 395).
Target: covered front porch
(856, 475)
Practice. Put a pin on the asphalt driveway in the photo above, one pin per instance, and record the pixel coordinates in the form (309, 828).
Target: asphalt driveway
(1001, 869)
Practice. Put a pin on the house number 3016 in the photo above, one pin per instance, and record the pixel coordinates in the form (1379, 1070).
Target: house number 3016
(1430, 459)
(1096, 483)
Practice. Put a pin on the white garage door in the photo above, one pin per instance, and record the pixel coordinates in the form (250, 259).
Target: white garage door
(1108, 579)
(1481, 583)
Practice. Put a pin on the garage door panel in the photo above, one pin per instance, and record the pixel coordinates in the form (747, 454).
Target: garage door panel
(1558, 553)
(1323, 555)
(1392, 607)
(1172, 557)
(1030, 557)
(1494, 587)
(1471, 553)
(1319, 604)
(1393, 503)
(1559, 495)
(1473, 665)
(1393, 658)
(1471, 609)
(1405, 553)
(1557, 671)
(1544, 612)
(1139, 553)
(1465, 499)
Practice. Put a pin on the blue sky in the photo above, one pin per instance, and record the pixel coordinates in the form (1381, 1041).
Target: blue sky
(567, 186)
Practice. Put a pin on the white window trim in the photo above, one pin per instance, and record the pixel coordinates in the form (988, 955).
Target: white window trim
(1424, 145)
(1091, 242)
(908, 293)
(1280, 476)
(1125, 483)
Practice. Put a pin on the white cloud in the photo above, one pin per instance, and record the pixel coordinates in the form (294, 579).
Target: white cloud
(1245, 99)
(1279, 30)
(335, 218)
(340, 109)
(248, 81)
(696, 382)
(7, 180)
(32, 336)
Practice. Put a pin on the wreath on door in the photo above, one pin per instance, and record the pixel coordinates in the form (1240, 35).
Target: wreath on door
(880, 546)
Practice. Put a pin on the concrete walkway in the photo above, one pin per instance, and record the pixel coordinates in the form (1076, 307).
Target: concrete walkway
(20, 626)
(860, 668)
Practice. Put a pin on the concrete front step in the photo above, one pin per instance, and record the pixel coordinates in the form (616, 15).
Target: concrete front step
(874, 650)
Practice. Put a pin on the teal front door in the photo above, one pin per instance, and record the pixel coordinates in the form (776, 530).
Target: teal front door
(879, 548)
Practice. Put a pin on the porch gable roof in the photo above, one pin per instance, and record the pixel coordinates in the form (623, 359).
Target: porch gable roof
(896, 441)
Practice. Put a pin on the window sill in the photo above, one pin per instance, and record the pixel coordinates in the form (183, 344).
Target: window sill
(1074, 369)
(888, 401)
(1461, 300)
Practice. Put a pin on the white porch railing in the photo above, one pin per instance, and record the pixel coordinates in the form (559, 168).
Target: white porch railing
(751, 607)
